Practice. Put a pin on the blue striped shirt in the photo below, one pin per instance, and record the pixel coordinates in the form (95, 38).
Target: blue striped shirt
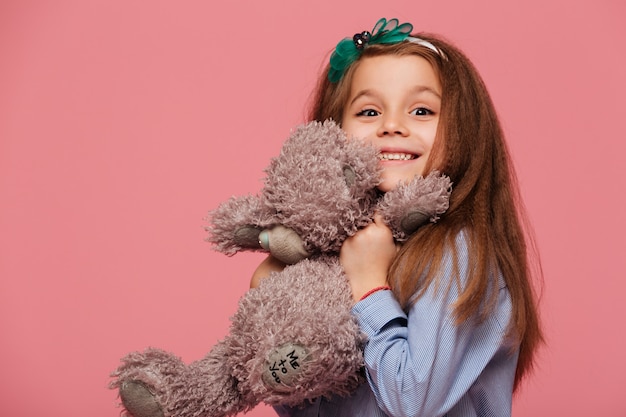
(422, 364)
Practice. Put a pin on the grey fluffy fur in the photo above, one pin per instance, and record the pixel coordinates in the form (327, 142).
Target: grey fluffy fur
(322, 186)
(304, 190)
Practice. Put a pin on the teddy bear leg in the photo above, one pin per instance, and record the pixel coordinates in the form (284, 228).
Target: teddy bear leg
(209, 388)
(138, 400)
(157, 384)
(144, 381)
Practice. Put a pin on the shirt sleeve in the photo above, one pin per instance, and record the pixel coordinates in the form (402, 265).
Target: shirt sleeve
(422, 364)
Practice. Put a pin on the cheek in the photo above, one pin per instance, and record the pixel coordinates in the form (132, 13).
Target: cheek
(352, 132)
(348, 127)
(435, 157)
(430, 136)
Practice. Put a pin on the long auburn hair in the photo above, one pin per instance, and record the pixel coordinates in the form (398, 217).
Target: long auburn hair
(485, 202)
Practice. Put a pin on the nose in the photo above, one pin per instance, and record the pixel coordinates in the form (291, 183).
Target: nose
(392, 124)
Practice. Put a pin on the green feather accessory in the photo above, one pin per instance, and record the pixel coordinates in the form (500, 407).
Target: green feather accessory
(349, 49)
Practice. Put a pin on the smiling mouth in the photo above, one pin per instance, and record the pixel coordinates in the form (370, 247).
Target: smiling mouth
(396, 156)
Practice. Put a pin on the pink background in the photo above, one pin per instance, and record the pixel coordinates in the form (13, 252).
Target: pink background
(123, 122)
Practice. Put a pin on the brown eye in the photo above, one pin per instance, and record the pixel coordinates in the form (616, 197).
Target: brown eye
(422, 111)
(368, 113)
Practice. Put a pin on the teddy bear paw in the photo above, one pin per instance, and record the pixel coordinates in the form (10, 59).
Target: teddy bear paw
(283, 367)
(139, 401)
(410, 222)
(247, 236)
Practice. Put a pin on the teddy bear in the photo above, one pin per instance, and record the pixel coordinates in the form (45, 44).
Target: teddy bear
(293, 338)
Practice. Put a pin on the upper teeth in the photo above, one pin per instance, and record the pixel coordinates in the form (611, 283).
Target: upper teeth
(395, 156)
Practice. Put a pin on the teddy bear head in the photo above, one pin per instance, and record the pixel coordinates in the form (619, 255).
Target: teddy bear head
(321, 187)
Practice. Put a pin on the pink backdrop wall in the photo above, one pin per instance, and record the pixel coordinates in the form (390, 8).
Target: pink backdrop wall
(123, 122)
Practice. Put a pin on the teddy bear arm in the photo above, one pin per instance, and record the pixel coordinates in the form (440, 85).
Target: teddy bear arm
(411, 205)
(155, 383)
(235, 225)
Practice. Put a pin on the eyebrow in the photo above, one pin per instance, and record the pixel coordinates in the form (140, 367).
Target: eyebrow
(425, 89)
(417, 89)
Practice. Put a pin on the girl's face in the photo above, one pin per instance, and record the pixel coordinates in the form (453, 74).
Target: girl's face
(394, 103)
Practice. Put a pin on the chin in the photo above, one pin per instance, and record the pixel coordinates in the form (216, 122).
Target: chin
(391, 182)
(387, 185)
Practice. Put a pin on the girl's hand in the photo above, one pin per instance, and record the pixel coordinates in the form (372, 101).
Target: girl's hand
(367, 256)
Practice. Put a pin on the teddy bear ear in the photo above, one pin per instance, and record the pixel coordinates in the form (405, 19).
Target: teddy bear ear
(349, 176)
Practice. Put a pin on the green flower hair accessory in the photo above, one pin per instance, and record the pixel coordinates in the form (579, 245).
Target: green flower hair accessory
(349, 49)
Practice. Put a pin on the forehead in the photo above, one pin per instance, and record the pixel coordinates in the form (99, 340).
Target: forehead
(394, 73)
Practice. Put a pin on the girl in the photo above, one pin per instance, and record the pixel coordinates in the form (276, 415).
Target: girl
(450, 317)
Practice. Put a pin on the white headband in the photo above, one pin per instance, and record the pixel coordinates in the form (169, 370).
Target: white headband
(426, 44)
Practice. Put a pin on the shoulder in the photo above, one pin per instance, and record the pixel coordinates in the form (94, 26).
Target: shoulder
(463, 256)
(457, 259)
(465, 272)
(265, 268)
